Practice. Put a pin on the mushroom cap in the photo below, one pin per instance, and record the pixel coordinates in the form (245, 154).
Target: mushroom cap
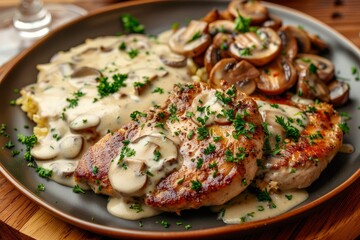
(325, 68)
(303, 41)
(273, 22)
(229, 71)
(339, 92)
(249, 9)
(192, 40)
(289, 43)
(223, 26)
(258, 48)
(310, 86)
(277, 77)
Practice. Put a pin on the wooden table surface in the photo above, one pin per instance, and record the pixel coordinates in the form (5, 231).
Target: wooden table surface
(336, 219)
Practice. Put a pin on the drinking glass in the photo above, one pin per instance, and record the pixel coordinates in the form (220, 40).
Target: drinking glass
(29, 21)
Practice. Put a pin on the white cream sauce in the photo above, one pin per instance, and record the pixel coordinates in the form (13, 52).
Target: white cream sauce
(72, 130)
(246, 207)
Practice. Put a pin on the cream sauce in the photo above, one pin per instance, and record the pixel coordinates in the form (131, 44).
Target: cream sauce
(246, 207)
(130, 209)
(76, 116)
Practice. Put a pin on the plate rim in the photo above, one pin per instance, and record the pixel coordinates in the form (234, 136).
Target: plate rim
(215, 231)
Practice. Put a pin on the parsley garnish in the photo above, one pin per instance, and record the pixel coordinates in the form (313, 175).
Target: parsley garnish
(134, 115)
(41, 187)
(157, 155)
(190, 135)
(344, 127)
(289, 197)
(229, 157)
(95, 170)
(173, 110)
(196, 185)
(245, 52)
(133, 53)
(43, 172)
(131, 24)
(78, 189)
(158, 90)
(356, 72)
(291, 131)
(73, 102)
(199, 163)
(312, 68)
(242, 24)
(106, 88)
(210, 149)
(137, 207)
(29, 142)
(202, 132)
(194, 37)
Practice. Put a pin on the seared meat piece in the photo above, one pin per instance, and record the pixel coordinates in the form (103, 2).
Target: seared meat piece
(221, 138)
(299, 157)
(217, 137)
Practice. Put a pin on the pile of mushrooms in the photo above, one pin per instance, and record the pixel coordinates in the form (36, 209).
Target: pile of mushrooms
(247, 47)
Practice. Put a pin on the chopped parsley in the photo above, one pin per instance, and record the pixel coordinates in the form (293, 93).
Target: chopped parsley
(41, 187)
(245, 52)
(289, 197)
(29, 142)
(157, 155)
(43, 172)
(356, 73)
(202, 132)
(9, 145)
(95, 170)
(242, 24)
(133, 53)
(290, 131)
(264, 196)
(239, 156)
(106, 88)
(312, 68)
(134, 115)
(122, 46)
(165, 224)
(199, 163)
(196, 35)
(187, 227)
(78, 189)
(344, 127)
(131, 24)
(210, 149)
(158, 90)
(217, 138)
(160, 125)
(196, 185)
(73, 102)
(173, 110)
(137, 207)
(190, 134)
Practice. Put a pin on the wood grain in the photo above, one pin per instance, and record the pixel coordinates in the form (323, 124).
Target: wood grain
(337, 219)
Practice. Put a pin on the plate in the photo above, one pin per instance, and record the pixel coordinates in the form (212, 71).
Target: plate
(88, 210)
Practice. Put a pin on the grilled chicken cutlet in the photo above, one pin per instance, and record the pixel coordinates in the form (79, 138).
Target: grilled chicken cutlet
(300, 142)
(200, 149)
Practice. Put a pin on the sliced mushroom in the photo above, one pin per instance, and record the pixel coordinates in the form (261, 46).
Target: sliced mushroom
(88, 53)
(303, 41)
(226, 15)
(324, 68)
(229, 71)
(258, 48)
(173, 60)
(85, 121)
(277, 77)
(273, 22)
(310, 86)
(217, 51)
(339, 93)
(289, 43)
(221, 26)
(211, 16)
(106, 49)
(71, 146)
(317, 42)
(128, 177)
(249, 9)
(44, 151)
(83, 72)
(192, 40)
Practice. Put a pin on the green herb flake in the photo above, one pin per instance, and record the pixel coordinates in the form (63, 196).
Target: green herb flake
(78, 189)
(131, 24)
(196, 185)
(41, 187)
(196, 35)
(136, 207)
(158, 90)
(106, 88)
(199, 163)
(43, 172)
(289, 197)
(344, 127)
(187, 227)
(210, 149)
(242, 24)
(157, 155)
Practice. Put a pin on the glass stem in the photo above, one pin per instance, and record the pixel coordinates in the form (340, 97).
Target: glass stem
(31, 19)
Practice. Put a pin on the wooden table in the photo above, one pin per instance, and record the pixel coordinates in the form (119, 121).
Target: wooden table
(336, 219)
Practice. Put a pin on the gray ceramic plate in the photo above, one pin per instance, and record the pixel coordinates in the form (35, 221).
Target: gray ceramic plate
(89, 210)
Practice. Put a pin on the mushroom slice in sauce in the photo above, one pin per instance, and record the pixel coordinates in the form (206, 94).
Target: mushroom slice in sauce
(222, 26)
(317, 42)
(88, 53)
(71, 146)
(273, 22)
(191, 40)
(85, 121)
(249, 9)
(44, 151)
(277, 77)
(229, 71)
(258, 48)
(173, 60)
(310, 86)
(324, 68)
(85, 72)
(289, 43)
(339, 92)
(128, 177)
(303, 41)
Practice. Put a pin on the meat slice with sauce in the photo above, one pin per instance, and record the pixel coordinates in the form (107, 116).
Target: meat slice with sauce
(301, 140)
(200, 149)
